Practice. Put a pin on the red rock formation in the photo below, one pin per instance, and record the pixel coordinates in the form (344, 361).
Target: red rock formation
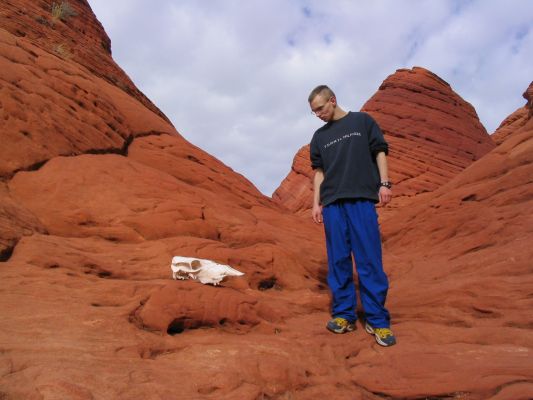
(90, 217)
(462, 263)
(516, 120)
(54, 105)
(15, 221)
(98, 187)
(433, 135)
(70, 31)
(296, 190)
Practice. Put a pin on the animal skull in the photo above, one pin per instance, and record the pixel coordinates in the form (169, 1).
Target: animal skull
(206, 271)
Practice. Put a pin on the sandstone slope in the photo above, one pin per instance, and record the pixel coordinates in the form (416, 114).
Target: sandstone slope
(462, 265)
(95, 201)
(516, 120)
(432, 132)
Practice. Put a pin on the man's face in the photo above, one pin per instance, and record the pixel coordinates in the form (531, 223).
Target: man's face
(323, 107)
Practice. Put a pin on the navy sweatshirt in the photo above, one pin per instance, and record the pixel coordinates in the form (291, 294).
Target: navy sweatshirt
(346, 150)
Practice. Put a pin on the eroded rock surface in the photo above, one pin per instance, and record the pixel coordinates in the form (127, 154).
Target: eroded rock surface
(96, 198)
(516, 120)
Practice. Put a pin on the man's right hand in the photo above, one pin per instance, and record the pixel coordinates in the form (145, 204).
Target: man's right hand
(317, 213)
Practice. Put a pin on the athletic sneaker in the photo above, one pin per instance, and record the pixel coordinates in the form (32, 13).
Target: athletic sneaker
(340, 325)
(384, 336)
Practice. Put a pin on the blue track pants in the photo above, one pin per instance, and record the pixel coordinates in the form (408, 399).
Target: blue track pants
(351, 227)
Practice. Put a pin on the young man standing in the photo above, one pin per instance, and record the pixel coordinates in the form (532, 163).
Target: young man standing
(348, 155)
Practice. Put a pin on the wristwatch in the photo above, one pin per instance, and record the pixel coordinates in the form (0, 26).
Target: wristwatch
(386, 184)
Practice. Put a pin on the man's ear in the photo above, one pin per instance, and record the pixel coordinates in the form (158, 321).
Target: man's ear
(333, 100)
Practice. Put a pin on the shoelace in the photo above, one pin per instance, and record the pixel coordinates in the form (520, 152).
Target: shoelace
(383, 332)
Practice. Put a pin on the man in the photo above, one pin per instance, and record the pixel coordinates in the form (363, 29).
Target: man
(348, 155)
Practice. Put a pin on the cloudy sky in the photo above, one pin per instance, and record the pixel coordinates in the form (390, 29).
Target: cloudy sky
(234, 75)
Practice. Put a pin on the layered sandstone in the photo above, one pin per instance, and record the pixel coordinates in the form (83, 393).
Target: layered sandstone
(70, 31)
(90, 218)
(97, 186)
(516, 120)
(51, 106)
(432, 132)
(462, 262)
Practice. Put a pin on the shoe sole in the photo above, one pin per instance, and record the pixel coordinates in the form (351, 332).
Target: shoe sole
(370, 330)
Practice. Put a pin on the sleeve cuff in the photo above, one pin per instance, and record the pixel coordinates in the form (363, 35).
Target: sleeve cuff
(381, 148)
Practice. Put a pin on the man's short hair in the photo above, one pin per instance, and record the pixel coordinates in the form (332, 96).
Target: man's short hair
(322, 90)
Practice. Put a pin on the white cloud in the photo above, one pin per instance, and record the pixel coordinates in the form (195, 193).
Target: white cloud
(233, 76)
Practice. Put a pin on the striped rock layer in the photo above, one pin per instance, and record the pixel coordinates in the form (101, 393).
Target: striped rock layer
(516, 120)
(98, 191)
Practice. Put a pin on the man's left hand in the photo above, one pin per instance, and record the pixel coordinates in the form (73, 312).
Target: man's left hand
(385, 195)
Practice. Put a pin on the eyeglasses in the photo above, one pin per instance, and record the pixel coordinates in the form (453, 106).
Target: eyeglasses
(320, 110)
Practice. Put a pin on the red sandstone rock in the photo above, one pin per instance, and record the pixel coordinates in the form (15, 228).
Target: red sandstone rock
(516, 120)
(89, 309)
(118, 199)
(15, 222)
(462, 258)
(75, 36)
(52, 107)
(432, 132)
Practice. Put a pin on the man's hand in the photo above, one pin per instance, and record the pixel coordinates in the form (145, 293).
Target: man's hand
(385, 195)
(317, 213)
